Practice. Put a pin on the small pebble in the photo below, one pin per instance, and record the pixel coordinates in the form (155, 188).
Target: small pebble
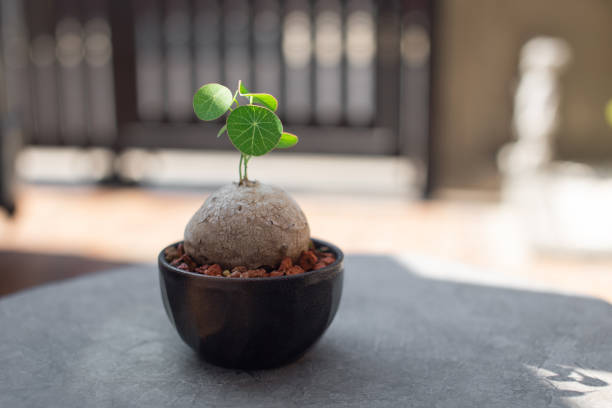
(294, 270)
(307, 260)
(187, 259)
(328, 260)
(214, 270)
(286, 264)
(254, 273)
(171, 253)
(239, 269)
(201, 269)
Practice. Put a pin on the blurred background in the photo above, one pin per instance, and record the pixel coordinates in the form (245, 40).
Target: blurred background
(471, 131)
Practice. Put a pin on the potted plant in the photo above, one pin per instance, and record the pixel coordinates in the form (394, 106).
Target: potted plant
(248, 287)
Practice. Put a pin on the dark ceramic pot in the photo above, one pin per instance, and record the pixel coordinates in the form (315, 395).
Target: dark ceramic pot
(255, 322)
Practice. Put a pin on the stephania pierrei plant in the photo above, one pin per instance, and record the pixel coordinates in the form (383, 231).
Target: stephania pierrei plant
(248, 229)
(254, 129)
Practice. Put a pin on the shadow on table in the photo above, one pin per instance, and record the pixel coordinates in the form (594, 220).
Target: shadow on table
(403, 340)
(22, 270)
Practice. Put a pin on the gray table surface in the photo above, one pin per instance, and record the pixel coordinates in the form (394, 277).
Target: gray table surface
(399, 339)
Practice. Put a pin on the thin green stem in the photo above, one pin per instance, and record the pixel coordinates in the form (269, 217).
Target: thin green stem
(240, 168)
(244, 158)
(234, 98)
(246, 162)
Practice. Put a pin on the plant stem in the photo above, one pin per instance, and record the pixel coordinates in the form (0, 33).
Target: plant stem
(246, 162)
(244, 159)
(236, 100)
(240, 168)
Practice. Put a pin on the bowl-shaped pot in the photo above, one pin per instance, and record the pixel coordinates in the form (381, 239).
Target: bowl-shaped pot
(252, 322)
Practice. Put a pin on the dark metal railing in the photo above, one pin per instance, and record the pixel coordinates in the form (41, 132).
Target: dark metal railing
(352, 76)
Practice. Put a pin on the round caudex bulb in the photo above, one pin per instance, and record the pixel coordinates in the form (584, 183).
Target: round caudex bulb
(249, 224)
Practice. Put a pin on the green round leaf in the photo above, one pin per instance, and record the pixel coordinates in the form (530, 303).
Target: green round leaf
(242, 89)
(254, 130)
(266, 100)
(287, 140)
(211, 101)
(221, 131)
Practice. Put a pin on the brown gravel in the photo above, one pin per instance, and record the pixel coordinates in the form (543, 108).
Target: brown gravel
(214, 270)
(285, 265)
(308, 259)
(312, 259)
(294, 270)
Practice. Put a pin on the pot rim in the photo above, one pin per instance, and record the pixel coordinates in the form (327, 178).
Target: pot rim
(339, 258)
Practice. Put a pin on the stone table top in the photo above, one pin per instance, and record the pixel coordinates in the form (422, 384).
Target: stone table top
(399, 339)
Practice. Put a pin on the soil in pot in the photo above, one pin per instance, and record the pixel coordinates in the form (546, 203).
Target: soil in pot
(312, 259)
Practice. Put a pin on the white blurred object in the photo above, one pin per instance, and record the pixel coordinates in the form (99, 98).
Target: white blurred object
(563, 207)
(536, 104)
(372, 176)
